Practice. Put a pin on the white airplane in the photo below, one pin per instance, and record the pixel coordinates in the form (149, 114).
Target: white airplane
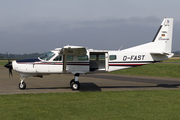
(80, 60)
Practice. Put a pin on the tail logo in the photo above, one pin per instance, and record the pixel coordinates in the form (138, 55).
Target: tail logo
(160, 38)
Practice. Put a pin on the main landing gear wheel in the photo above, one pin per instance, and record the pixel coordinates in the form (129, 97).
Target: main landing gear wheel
(22, 85)
(75, 85)
(71, 81)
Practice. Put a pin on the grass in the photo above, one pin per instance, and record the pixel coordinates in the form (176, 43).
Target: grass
(3, 62)
(174, 59)
(163, 104)
(156, 69)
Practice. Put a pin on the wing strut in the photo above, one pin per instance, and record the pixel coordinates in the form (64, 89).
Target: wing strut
(64, 63)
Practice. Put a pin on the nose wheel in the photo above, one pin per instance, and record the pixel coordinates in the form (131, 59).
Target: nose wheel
(22, 84)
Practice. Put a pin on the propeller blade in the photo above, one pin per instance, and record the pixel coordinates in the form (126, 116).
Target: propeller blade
(9, 65)
(10, 72)
(7, 57)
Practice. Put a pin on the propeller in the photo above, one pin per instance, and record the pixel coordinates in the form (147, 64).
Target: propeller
(9, 65)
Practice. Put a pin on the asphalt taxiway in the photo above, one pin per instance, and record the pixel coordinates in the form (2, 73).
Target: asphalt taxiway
(90, 82)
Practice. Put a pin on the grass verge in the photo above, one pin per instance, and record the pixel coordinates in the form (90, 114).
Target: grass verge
(140, 105)
(173, 59)
(156, 70)
(3, 62)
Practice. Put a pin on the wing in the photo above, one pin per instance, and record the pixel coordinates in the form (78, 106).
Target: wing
(73, 50)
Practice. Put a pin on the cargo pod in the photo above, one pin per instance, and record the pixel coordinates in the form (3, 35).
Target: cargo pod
(98, 61)
(74, 65)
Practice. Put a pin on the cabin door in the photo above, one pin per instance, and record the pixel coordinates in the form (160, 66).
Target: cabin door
(98, 61)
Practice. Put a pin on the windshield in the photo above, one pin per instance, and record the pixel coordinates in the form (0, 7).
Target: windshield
(47, 56)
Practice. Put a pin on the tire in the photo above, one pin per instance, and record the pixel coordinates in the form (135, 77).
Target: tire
(22, 86)
(71, 81)
(75, 86)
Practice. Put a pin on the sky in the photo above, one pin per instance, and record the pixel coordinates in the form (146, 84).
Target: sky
(37, 26)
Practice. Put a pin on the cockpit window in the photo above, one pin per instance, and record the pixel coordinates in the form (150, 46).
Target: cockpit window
(58, 58)
(47, 56)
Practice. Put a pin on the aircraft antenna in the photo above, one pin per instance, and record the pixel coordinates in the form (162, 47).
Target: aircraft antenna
(120, 48)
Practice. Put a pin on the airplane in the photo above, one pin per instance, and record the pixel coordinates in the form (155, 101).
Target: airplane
(80, 60)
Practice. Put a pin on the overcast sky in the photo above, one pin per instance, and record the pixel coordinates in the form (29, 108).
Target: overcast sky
(30, 26)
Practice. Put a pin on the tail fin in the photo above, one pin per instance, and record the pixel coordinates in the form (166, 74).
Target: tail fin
(162, 42)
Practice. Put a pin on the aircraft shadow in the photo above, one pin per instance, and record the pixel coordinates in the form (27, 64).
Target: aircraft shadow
(89, 87)
(84, 87)
(93, 87)
(49, 88)
(159, 85)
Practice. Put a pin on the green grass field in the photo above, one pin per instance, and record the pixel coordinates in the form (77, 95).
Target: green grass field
(124, 105)
(156, 69)
(173, 59)
(3, 62)
(168, 68)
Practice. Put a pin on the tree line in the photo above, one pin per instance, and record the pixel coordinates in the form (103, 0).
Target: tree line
(19, 56)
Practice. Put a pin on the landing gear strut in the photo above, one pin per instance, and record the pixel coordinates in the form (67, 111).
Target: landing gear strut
(74, 83)
(22, 84)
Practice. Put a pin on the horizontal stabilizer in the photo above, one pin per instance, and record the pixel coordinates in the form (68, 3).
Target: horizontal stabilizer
(162, 53)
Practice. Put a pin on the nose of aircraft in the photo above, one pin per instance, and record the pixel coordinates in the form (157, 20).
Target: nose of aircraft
(9, 66)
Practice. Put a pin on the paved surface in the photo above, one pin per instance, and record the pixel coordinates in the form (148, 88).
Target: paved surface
(91, 82)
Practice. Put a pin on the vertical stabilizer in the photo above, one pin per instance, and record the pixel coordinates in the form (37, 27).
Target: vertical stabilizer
(162, 42)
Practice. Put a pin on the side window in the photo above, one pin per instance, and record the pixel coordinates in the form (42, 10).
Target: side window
(101, 57)
(92, 57)
(69, 57)
(112, 57)
(58, 58)
(83, 58)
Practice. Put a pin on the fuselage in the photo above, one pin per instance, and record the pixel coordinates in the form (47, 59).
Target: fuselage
(94, 61)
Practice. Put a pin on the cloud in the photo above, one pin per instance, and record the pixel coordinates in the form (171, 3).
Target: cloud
(108, 34)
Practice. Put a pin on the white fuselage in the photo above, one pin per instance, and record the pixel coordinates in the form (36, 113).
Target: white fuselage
(93, 61)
